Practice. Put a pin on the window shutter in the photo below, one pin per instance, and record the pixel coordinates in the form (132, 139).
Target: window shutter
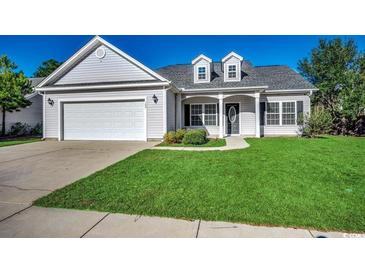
(300, 116)
(262, 113)
(217, 114)
(187, 115)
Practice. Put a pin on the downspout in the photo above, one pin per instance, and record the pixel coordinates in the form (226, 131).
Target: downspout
(43, 114)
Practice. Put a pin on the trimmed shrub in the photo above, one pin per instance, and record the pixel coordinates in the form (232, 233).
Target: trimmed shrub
(180, 133)
(195, 137)
(19, 129)
(170, 137)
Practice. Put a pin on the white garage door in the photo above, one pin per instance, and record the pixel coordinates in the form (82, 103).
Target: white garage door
(104, 121)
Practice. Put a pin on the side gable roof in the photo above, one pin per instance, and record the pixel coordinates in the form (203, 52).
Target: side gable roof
(274, 77)
(84, 51)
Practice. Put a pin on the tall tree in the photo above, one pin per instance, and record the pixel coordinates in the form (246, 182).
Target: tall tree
(13, 88)
(46, 68)
(337, 69)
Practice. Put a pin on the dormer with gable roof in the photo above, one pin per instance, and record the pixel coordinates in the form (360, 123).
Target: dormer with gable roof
(202, 69)
(232, 67)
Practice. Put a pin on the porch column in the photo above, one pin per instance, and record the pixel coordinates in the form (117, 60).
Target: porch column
(257, 112)
(221, 126)
(178, 111)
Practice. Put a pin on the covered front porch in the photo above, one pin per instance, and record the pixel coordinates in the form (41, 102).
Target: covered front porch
(221, 114)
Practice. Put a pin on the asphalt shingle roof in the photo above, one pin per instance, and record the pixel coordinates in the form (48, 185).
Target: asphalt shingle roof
(35, 81)
(275, 77)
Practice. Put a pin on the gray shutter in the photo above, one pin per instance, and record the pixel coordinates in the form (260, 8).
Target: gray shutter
(300, 116)
(187, 115)
(218, 114)
(262, 113)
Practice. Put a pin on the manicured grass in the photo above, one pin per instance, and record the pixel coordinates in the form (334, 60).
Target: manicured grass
(18, 141)
(210, 143)
(312, 183)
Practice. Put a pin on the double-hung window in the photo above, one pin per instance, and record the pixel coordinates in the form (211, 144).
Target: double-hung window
(273, 113)
(196, 115)
(203, 114)
(202, 73)
(288, 113)
(232, 71)
(210, 114)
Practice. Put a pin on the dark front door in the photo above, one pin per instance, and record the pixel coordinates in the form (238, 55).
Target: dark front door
(233, 118)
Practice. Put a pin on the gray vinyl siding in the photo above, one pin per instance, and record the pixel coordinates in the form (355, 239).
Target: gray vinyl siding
(232, 61)
(170, 100)
(202, 62)
(111, 68)
(154, 110)
(31, 115)
(277, 130)
(247, 113)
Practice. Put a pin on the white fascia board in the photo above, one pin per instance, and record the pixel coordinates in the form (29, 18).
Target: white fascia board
(31, 95)
(132, 60)
(74, 57)
(93, 87)
(290, 90)
(229, 55)
(98, 40)
(201, 56)
(225, 89)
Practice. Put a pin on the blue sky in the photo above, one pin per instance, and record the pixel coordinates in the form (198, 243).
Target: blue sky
(28, 52)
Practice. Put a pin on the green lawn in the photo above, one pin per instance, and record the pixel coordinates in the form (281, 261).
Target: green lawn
(18, 141)
(312, 183)
(210, 143)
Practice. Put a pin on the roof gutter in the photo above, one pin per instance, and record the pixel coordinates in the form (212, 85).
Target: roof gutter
(225, 89)
(310, 90)
(163, 84)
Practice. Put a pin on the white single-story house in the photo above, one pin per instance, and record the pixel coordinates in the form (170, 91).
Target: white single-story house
(31, 115)
(101, 93)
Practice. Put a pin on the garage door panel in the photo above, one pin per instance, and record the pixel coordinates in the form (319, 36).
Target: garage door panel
(104, 121)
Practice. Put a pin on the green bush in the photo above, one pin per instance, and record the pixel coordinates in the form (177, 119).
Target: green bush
(195, 137)
(170, 137)
(180, 133)
(319, 122)
(19, 129)
(36, 130)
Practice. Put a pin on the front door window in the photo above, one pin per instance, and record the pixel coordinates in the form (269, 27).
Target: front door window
(232, 118)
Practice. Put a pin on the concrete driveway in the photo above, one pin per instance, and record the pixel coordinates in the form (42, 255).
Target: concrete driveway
(30, 171)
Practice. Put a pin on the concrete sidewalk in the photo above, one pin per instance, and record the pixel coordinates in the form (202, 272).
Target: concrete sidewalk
(52, 222)
(232, 142)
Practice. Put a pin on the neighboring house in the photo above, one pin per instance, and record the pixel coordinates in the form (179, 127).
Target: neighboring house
(31, 115)
(101, 93)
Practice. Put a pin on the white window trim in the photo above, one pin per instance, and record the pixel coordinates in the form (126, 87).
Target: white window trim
(207, 74)
(281, 113)
(238, 72)
(295, 113)
(203, 114)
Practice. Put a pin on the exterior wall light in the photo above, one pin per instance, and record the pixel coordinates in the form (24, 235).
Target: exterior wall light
(155, 99)
(50, 102)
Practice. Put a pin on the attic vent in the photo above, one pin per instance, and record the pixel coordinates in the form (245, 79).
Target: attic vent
(100, 53)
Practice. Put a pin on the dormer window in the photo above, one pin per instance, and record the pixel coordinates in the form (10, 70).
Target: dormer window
(232, 71)
(202, 73)
(202, 69)
(232, 67)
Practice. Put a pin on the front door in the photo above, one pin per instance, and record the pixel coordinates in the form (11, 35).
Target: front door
(232, 118)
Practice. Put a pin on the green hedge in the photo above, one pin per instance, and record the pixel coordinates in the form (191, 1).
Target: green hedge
(195, 137)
